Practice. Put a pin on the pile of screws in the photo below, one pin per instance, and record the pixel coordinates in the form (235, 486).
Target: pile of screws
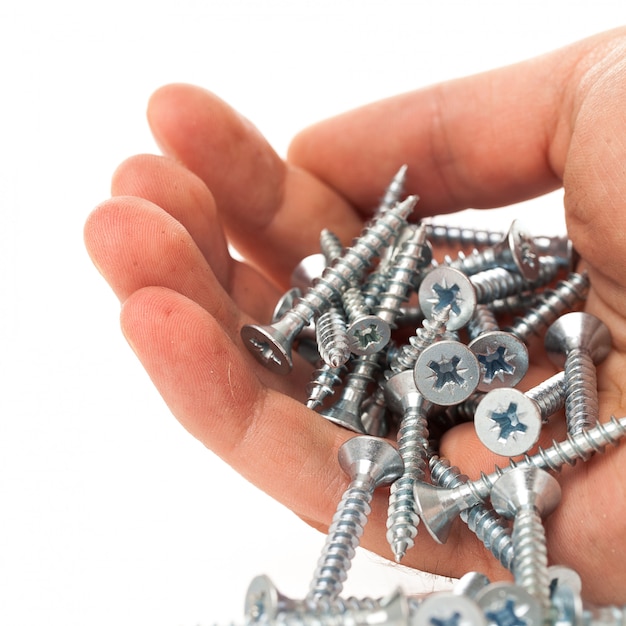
(346, 314)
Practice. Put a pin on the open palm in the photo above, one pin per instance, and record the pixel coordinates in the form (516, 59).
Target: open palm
(481, 142)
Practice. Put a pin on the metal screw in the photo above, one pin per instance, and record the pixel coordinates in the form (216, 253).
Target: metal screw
(498, 282)
(526, 494)
(505, 604)
(446, 372)
(448, 288)
(333, 343)
(503, 357)
(515, 251)
(438, 507)
(577, 342)
(551, 304)
(447, 608)
(507, 422)
(487, 525)
(369, 462)
(271, 344)
(402, 518)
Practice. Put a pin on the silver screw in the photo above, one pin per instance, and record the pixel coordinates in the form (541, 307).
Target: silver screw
(489, 527)
(333, 343)
(446, 608)
(508, 422)
(402, 519)
(526, 495)
(515, 251)
(308, 270)
(394, 191)
(438, 507)
(446, 372)
(369, 462)
(367, 333)
(503, 357)
(322, 384)
(498, 282)
(505, 604)
(271, 344)
(578, 341)
(551, 304)
(447, 288)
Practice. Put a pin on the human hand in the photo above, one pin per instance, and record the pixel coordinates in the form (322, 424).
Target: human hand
(484, 141)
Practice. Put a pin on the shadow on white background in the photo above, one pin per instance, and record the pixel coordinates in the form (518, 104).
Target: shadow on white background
(110, 513)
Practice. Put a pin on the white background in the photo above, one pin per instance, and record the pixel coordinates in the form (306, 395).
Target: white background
(110, 513)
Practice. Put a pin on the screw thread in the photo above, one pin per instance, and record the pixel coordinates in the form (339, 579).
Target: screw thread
(348, 268)
(530, 560)
(444, 234)
(402, 517)
(430, 330)
(401, 277)
(514, 304)
(549, 395)
(486, 524)
(576, 447)
(581, 395)
(483, 321)
(474, 262)
(498, 282)
(330, 246)
(354, 304)
(322, 384)
(552, 304)
(343, 538)
(394, 191)
(332, 337)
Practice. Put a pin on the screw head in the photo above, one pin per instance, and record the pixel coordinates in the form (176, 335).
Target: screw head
(577, 330)
(445, 608)
(309, 268)
(523, 487)
(507, 422)
(506, 604)
(503, 359)
(446, 373)
(446, 286)
(263, 600)
(370, 456)
(368, 334)
(267, 345)
(523, 251)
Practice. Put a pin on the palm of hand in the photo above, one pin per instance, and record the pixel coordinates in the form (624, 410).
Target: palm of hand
(161, 243)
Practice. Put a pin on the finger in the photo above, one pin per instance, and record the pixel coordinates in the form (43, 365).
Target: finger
(272, 213)
(184, 196)
(484, 141)
(275, 442)
(136, 244)
(595, 186)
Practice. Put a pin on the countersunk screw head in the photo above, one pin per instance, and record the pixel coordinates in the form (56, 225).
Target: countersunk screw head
(577, 330)
(506, 604)
(368, 334)
(523, 251)
(263, 600)
(446, 373)
(503, 359)
(507, 422)
(523, 487)
(269, 346)
(446, 608)
(307, 271)
(448, 287)
(365, 455)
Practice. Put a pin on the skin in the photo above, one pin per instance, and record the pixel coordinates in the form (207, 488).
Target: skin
(483, 141)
